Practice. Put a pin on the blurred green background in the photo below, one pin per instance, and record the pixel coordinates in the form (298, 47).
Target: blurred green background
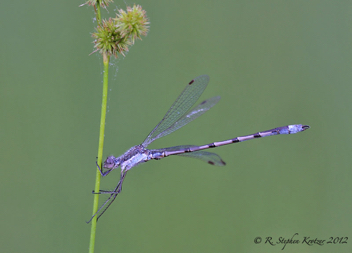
(273, 63)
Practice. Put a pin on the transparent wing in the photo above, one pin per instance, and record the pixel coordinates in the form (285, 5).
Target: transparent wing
(204, 156)
(190, 116)
(180, 107)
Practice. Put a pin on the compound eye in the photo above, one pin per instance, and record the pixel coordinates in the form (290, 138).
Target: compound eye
(109, 163)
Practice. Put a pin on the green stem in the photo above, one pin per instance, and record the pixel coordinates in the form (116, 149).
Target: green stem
(106, 59)
(97, 13)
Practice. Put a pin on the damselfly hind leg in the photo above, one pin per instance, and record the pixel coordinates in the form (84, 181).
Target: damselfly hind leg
(112, 197)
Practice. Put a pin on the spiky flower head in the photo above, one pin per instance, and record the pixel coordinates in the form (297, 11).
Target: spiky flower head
(103, 3)
(132, 23)
(109, 40)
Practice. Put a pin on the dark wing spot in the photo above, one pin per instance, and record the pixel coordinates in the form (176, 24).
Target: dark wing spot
(210, 162)
(212, 145)
(257, 135)
(191, 82)
(188, 150)
(203, 102)
(223, 162)
(235, 140)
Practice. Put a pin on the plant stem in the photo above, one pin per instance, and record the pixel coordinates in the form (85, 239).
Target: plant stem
(106, 60)
(97, 13)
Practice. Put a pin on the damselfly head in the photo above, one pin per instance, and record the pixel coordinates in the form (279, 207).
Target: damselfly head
(111, 162)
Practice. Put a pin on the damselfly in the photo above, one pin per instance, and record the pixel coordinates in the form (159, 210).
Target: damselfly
(176, 117)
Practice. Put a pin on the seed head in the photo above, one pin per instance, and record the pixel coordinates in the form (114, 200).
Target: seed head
(109, 40)
(103, 3)
(132, 23)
